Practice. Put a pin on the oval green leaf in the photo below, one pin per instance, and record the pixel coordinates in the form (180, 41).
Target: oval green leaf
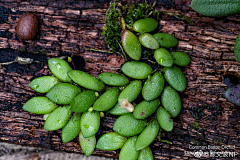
(39, 105)
(180, 58)
(43, 84)
(153, 87)
(63, 93)
(71, 129)
(131, 91)
(145, 109)
(175, 77)
(163, 57)
(113, 79)
(136, 69)
(86, 80)
(57, 118)
(110, 141)
(83, 101)
(164, 119)
(131, 45)
(148, 135)
(60, 69)
(87, 144)
(107, 100)
(146, 154)
(166, 40)
(128, 151)
(171, 101)
(127, 125)
(149, 41)
(90, 122)
(145, 25)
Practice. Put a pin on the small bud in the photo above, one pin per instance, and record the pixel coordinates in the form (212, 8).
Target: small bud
(90, 109)
(125, 104)
(69, 59)
(96, 94)
(101, 114)
(149, 77)
(159, 136)
(45, 116)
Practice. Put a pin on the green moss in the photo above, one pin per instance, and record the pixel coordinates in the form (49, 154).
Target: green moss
(20, 49)
(196, 142)
(205, 105)
(112, 29)
(195, 125)
(197, 113)
(218, 108)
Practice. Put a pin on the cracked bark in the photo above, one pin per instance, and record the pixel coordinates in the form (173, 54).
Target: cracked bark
(67, 28)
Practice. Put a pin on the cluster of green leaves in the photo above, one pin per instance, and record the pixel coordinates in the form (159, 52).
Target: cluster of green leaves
(130, 13)
(119, 16)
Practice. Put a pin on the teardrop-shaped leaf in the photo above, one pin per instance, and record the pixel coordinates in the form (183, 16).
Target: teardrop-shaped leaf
(86, 80)
(39, 105)
(63, 93)
(148, 135)
(128, 151)
(146, 154)
(110, 141)
(107, 100)
(87, 144)
(131, 45)
(60, 69)
(83, 101)
(164, 119)
(43, 84)
(127, 125)
(90, 122)
(71, 129)
(57, 118)
(171, 101)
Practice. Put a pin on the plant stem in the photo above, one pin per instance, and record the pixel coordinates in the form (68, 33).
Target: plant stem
(71, 61)
(20, 60)
(7, 63)
(98, 50)
(165, 141)
(123, 53)
(179, 16)
(122, 19)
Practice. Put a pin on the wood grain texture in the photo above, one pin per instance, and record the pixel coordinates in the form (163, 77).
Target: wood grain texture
(67, 28)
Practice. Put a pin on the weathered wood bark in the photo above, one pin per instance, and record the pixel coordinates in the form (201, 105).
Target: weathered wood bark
(67, 28)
